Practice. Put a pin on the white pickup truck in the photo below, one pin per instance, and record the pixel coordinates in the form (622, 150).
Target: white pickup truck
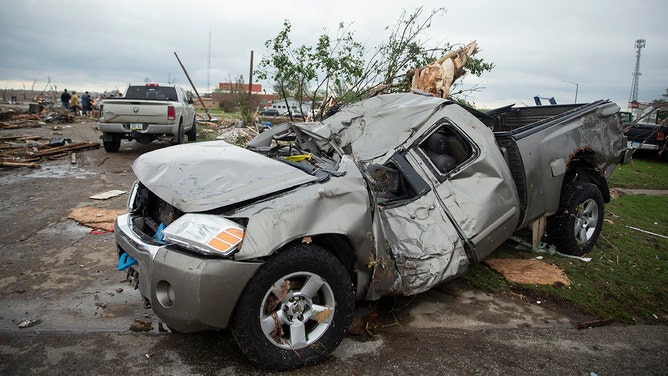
(148, 112)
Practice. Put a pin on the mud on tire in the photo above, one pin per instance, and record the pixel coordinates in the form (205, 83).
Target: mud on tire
(296, 309)
(575, 228)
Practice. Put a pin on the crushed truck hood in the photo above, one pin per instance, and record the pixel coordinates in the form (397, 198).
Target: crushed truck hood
(208, 175)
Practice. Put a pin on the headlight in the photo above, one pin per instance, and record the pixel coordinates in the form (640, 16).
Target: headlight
(205, 233)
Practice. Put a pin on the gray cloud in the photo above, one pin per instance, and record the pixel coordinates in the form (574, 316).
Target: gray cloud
(535, 46)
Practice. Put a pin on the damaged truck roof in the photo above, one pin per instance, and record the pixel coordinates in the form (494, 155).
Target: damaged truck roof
(377, 125)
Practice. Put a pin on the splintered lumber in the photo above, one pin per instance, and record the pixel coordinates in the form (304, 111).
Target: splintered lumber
(68, 147)
(19, 164)
(437, 77)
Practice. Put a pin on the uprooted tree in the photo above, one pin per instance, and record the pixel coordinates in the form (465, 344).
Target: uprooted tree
(335, 70)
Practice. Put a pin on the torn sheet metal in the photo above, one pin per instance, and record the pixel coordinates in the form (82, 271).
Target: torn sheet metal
(424, 246)
(205, 176)
(336, 206)
(376, 126)
(594, 131)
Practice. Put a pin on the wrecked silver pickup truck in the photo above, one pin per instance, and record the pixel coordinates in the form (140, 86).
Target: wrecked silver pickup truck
(391, 195)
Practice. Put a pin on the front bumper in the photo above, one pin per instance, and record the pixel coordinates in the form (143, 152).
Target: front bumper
(189, 293)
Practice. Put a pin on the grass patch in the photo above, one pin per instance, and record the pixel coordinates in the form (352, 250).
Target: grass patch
(641, 173)
(627, 278)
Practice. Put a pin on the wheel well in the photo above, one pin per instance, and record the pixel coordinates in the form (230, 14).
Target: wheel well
(336, 244)
(582, 167)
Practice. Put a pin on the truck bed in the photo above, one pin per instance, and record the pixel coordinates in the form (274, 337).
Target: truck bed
(522, 119)
(539, 142)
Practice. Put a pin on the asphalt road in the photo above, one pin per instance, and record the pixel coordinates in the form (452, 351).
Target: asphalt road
(84, 319)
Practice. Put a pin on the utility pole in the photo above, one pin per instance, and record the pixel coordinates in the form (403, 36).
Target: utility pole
(208, 68)
(250, 85)
(633, 99)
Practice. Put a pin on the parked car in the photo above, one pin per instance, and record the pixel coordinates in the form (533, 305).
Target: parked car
(269, 112)
(652, 137)
(391, 195)
(649, 131)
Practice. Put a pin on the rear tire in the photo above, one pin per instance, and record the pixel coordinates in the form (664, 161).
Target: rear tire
(577, 225)
(192, 133)
(295, 310)
(113, 145)
(179, 137)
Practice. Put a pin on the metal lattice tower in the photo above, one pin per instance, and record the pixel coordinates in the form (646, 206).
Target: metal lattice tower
(640, 43)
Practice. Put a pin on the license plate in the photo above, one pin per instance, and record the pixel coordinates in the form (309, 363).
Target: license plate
(633, 145)
(136, 126)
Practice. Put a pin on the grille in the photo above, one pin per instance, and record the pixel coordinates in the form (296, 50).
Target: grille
(150, 211)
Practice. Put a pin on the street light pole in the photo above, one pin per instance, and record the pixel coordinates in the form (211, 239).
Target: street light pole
(576, 88)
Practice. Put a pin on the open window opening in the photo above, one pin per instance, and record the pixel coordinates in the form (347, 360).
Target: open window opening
(396, 182)
(446, 149)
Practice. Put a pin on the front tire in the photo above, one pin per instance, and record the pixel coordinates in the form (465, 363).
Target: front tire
(577, 225)
(296, 310)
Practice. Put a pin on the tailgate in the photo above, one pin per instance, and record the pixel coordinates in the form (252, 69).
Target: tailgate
(127, 111)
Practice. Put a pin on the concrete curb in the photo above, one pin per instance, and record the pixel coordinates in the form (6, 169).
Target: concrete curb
(646, 192)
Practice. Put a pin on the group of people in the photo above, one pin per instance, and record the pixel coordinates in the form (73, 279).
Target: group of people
(83, 106)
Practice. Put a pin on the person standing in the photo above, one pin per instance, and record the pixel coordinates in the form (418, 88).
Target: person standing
(75, 106)
(90, 105)
(84, 103)
(65, 99)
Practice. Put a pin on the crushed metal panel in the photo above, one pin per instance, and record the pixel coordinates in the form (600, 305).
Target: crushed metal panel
(339, 205)
(375, 126)
(208, 175)
(480, 196)
(424, 245)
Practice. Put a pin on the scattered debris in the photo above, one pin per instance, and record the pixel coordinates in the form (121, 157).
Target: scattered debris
(273, 300)
(26, 151)
(543, 247)
(95, 217)
(107, 195)
(322, 316)
(28, 323)
(363, 319)
(648, 232)
(36, 117)
(592, 324)
(141, 325)
(236, 136)
(530, 271)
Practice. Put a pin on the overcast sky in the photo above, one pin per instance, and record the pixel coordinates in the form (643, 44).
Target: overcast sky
(535, 45)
